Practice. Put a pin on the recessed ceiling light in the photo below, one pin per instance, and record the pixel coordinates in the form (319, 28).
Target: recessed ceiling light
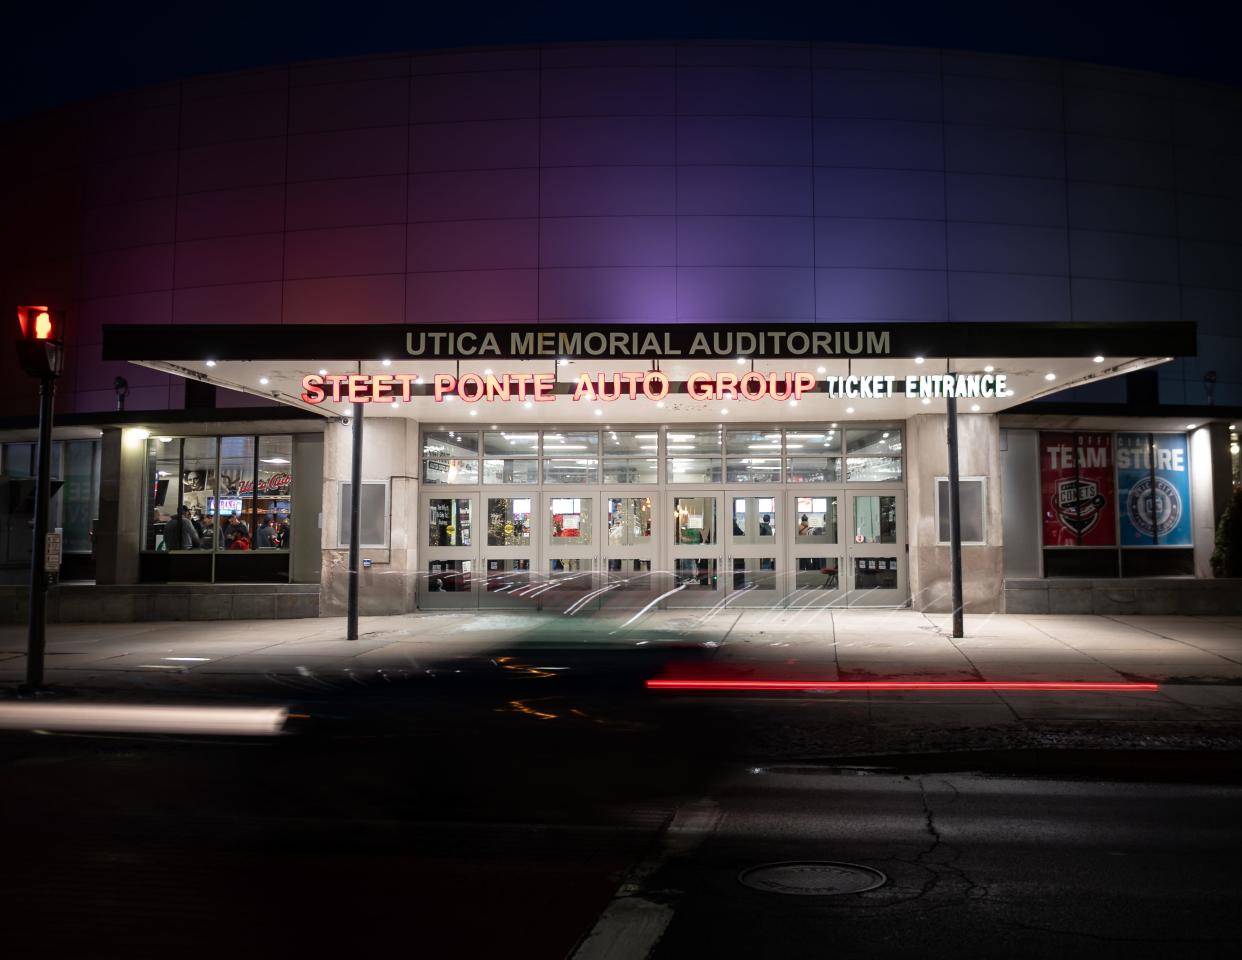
(487, 372)
(323, 373)
(849, 409)
(211, 363)
(394, 404)
(989, 368)
(974, 408)
(918, 359)
(264, 381)
(474, 413)
(1098, 359)
(562, 362)
(386, 362)
(528, 404)
(741, 360)
(833, 425)
(659, 403)
(1191, 426)
(724, 411)
(599, 412)
(1050, 376)
(821, 369)
(793, 403)
(926, 401)
(165, 439)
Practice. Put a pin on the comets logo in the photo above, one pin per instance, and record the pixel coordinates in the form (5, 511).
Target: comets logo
(1168, 507)
(1078, 504)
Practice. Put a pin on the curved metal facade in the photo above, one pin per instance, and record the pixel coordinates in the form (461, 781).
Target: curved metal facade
(677, 182)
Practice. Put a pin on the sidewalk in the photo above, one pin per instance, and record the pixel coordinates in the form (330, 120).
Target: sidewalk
(840, 644)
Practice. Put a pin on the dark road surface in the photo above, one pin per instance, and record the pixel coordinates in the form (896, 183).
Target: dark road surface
(485, 819)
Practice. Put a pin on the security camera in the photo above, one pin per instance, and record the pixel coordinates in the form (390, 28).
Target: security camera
(121, 386)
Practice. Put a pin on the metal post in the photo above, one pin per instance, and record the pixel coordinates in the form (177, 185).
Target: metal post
(955, 519)
(37, 628)
(355, 523)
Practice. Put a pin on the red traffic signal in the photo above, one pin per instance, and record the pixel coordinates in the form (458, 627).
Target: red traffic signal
(40, 323)
(40, 348)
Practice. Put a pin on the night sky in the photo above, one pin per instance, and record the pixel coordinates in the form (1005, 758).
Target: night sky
(57, 53)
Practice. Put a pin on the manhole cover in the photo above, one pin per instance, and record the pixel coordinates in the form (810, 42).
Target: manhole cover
(812, 878)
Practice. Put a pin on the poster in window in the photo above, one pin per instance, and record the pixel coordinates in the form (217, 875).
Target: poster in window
(1076, 489)
(1153, 480)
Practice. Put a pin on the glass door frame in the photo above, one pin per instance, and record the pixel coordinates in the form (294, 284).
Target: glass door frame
(648, 551)
(512, 588)
(715, 550)
(872, 596)
(429, 555)
(561, 591)
(768, 588)
(828, 595)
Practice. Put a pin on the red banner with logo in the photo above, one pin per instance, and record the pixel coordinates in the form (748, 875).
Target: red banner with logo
(1076, 489)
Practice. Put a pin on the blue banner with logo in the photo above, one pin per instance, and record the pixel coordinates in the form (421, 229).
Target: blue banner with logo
(1153, 489)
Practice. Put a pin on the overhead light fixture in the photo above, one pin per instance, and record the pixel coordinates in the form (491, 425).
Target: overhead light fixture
(974, 408)
(165, 439)
(274, 460)
(394, 404)
(474, 413)
(487, 372)
(562, 362)
(926, 401)
(849, 409)
(989, 368)
(741, 360)
(821, 369)
(793, 403)
(264, 381)
(1097, 359)
(1191, 426)
(724, 411)
(918, 359)
(833, 425)
(599, 411)
(528, 404)
(211, 363)
(386, 362)
(660, 403)
(1050, 376)
(323, 373)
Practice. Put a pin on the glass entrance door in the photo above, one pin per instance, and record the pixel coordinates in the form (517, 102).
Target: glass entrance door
(508, 549)
(753, 574)
(696, 552)
(813, 521)
(631, 533)
(571, 522)
(451, 536)
(876, 553)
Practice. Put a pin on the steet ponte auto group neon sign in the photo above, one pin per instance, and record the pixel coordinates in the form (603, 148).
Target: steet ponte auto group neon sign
(644, 385)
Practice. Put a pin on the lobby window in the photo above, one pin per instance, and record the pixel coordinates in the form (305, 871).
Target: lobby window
(510, 457)
(813, 455)
(873, 455)
(73, 508)
(571, 457)
(973, 496)
(753, 456)
(450, 457)
(694, 456)
(631, 456)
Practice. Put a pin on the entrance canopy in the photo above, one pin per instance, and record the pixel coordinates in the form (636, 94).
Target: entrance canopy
(636, 372)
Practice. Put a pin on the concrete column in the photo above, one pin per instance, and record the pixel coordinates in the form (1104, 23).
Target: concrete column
(390, 456)
(119, 534)
(1210, 489)
(926, 459)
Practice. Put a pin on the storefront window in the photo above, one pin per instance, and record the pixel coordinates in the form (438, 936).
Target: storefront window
(873, 454)
(510, 457)
(235, 513)
(79, 497)
(694, 455)
(630, 456)
(273, 494)
(450, 457)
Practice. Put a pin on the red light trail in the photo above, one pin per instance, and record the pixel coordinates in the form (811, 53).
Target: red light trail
(900, 685)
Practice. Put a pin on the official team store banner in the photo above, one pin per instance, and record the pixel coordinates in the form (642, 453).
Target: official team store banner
(1153, 479)
(1076, 489)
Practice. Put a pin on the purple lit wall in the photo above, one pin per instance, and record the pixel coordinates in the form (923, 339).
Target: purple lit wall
(620, 182)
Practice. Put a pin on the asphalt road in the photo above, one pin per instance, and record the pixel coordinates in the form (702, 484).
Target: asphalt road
(485, 815)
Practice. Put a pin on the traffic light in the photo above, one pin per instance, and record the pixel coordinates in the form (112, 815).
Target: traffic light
(40, 348)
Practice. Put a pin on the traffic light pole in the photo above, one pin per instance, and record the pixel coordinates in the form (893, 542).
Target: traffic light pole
(36, 631)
